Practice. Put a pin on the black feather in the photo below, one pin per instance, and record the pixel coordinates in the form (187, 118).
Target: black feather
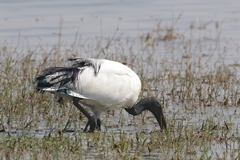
(82, 63)
(57, 77)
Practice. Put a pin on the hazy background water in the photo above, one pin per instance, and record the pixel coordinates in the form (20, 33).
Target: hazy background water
(39, 21)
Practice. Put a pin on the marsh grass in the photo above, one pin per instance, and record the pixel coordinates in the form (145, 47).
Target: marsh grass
(198, 89)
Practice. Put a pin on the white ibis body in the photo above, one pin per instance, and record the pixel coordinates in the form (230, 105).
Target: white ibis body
(101, 85)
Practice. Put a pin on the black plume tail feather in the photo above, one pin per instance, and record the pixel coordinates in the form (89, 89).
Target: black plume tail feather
(57, 77)
(82, 63)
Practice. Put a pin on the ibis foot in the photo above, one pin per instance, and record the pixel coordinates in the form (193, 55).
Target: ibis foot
(95, 124)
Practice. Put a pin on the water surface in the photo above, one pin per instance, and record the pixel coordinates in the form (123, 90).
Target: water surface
(39, 21)
(216, 23)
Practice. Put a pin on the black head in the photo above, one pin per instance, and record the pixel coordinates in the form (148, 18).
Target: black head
(151, 104)
(154, 106)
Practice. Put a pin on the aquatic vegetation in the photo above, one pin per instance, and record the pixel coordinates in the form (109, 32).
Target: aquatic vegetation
(195, 82)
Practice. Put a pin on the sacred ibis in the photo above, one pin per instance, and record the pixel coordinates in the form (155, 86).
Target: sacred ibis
(101, 85)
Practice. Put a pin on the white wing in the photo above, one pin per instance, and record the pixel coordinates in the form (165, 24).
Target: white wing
(115, 85)
(98, 83)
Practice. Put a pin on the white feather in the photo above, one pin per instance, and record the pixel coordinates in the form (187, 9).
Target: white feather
(115, 85)
(105, 85)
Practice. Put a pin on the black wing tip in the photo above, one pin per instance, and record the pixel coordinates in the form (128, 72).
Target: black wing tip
(75, 59)
(38, 78)
(39, 90)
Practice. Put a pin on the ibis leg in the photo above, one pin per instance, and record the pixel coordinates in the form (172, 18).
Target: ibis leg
(92, 122)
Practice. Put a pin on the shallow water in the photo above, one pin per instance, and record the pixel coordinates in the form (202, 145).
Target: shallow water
(179, 116)
(39, 21)
(30, 23)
